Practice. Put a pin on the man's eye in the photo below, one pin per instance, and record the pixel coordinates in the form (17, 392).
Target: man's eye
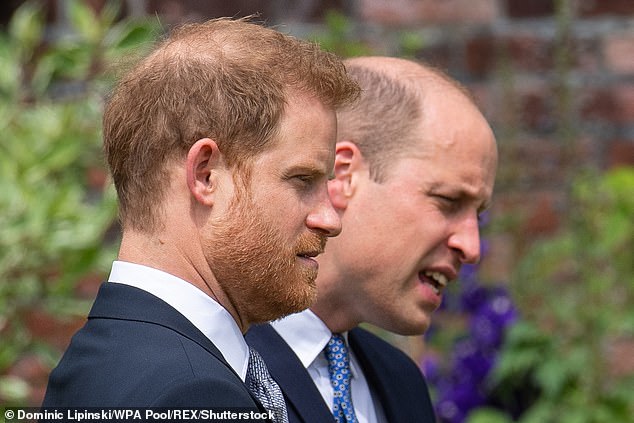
(446, 198)
(304, 181)
(448, 203)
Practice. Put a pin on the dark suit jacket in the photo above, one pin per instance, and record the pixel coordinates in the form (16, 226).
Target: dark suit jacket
(137, 351)
(391, 374)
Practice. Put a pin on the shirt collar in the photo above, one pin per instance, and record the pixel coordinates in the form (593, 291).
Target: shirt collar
(307, 335)
(213, 320)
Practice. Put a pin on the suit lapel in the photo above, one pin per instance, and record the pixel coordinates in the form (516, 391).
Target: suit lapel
(403, 394)
(124, 302)
(379, 380)
(299, 389)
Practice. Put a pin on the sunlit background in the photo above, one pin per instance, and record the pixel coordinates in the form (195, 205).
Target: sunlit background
(542, 330)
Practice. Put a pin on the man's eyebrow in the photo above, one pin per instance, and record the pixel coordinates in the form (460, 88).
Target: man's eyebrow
(461, 191)
(307, 168)
(456, 189)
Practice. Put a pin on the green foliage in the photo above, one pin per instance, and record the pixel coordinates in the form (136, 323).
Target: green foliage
(342, 37)
(488, 415)
(53, 218)
(339, 37)
(576, 292)
(411, 43)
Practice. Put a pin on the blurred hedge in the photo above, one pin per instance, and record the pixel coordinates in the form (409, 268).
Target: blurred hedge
(55, 206)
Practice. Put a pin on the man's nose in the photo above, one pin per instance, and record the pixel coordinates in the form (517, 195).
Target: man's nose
(324, 218)
(465, 239)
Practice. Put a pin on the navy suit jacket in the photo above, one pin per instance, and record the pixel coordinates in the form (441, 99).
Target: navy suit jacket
(391, 374)
(137, 351)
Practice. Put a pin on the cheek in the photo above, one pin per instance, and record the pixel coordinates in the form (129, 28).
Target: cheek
(284, 214)
(386, 235)
(430, 222)
(409, 226)
(400, 245)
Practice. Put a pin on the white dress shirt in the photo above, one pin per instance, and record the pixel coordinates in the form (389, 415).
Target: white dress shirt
(213, 320)
(307, 336)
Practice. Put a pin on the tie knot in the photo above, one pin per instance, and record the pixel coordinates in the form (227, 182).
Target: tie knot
(337, 352)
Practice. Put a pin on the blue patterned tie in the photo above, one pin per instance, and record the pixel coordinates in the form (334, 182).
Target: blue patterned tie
(339, 369)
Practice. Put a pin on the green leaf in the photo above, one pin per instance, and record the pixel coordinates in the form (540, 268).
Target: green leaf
(552, 376)
(411, 43)
(10, 73)
(13, 388)
(84, 21)
(26, 28)
(127, 34)
(53, 224)
(488, 415)
(109, 13)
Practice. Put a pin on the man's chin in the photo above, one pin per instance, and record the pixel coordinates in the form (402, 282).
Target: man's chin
(294, 302)
(303, 302)
(401, 324)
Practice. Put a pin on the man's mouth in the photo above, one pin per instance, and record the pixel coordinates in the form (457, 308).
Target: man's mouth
(309, 255)
(436, 280)
(310, 247)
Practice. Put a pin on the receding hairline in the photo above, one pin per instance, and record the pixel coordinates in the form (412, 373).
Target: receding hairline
(223, 79)
(411, 73)
(418, 81)
(213, 41)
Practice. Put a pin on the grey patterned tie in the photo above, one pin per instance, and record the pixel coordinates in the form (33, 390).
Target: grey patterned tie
(262, 385)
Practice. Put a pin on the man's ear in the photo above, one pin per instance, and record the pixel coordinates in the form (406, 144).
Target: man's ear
(348, 162)
(203, 161)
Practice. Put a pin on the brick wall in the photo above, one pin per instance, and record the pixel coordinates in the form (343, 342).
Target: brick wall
(555, 79)
(556, 84)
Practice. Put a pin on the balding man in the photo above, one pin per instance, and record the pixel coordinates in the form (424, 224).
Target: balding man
(414, 168)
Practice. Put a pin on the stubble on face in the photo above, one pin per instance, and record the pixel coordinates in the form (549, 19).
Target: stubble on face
(257, 269)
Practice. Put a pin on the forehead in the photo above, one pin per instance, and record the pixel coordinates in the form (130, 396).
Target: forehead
(453, 145)
(471, 166)
(452, 125)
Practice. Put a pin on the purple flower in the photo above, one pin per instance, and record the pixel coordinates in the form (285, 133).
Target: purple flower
(489, 322)
(455, 404)
(468, 274)
(485, 217)
(461, 384)
(431, 369)
(470, 362)
(473, 297)
(485, 247)
(448, 411)
(462, 390)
